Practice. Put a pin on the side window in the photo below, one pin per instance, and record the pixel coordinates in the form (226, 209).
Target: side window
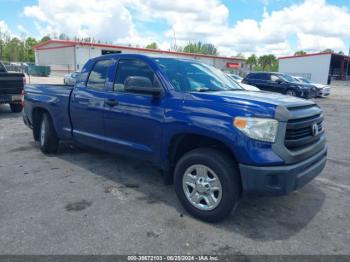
(98, 75)
(274, 78)
(130, 68)
(251, 76)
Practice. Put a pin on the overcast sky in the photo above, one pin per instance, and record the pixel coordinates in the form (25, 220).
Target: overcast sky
(234, 26)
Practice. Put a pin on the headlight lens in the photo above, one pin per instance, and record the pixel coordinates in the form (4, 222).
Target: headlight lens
(263, 129)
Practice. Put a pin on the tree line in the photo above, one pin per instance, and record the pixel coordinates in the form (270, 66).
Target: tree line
(17, 49)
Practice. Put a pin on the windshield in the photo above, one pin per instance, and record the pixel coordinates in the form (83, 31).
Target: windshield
(287, 78)
(304, 80)
(192, 76)
(235, 77)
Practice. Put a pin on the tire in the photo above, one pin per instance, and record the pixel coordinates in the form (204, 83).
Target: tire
(16, 107)
(47, 135)
(291, 93)
(226, 172)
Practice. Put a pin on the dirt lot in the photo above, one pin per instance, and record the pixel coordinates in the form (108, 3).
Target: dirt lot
(88, 202)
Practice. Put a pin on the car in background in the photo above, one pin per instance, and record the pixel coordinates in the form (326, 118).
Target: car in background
(322, 90)
(236, 77)
(11, 88)
(280, 83)
(70, 79)
(239, 82)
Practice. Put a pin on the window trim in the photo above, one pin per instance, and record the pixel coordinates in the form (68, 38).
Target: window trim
(92, 68)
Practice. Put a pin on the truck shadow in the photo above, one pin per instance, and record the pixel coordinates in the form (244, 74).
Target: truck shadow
(5, 113)
(258, 218)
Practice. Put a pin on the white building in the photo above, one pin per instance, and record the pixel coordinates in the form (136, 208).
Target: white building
(68, 56)
(319, 67)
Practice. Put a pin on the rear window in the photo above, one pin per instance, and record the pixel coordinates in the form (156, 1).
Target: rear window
(98, 75)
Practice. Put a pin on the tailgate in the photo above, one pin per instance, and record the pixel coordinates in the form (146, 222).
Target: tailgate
(11, 83)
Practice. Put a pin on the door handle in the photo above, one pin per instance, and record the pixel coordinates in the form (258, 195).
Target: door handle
(111, 102)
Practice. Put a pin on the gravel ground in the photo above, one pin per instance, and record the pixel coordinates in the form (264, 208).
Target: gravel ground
(89, 202)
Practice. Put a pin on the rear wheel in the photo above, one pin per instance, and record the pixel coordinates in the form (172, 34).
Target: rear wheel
(16, 107)
(207, 184)
(48, 138)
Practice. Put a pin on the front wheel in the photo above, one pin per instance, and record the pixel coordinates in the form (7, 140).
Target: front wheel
(48, 138)
(207, 184)
(16, 107)
(291, 93)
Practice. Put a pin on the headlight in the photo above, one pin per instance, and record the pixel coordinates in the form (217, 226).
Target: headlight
(263, 129)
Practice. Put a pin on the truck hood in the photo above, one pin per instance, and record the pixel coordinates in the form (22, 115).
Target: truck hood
(249, 97)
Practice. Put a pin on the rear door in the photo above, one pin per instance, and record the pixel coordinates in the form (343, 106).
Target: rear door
(133, 121)
(87, 105)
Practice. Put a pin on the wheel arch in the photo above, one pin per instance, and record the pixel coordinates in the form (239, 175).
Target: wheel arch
(37, 114)
(182, 143)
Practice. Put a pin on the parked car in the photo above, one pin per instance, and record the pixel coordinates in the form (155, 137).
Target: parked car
(214, 140)
(322, 90)
(70, 79)
(244, 86)
(280, 83)
(236, 77)
(11, 89)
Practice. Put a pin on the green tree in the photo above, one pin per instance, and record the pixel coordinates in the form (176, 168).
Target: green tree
(199, 48)
(240, 55)
(269, 62)
(13, 50)
(152, 46)
(263, 62)
(300, 52)
(252, 62)
(45, 38)
(328, 50)
(29, 52)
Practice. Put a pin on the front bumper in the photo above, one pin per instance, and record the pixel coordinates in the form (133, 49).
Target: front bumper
(281, 180)
(308, 93)
(324, 92)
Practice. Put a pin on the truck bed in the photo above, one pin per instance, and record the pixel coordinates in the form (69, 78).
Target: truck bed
(54, 99)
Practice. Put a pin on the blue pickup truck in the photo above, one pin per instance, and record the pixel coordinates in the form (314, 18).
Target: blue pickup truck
(210, 138)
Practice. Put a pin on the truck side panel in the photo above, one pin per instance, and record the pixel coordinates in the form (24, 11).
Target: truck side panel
(55, 100)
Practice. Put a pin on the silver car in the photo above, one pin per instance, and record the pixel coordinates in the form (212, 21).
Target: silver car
(70, 79)
(322, 90)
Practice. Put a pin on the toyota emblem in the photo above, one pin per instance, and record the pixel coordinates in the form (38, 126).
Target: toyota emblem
(314, 129)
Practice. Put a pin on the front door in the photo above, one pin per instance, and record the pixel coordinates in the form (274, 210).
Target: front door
(133, 123)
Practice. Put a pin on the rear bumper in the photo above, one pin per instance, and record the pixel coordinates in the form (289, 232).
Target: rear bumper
(281, 180)
(10, 98)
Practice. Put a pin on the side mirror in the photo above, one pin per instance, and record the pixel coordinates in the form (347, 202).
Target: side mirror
(141, 85)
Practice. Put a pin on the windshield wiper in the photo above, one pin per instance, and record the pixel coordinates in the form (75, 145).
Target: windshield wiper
(203, 89)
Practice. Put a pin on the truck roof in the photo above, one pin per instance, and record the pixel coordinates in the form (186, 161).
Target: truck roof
(119, 55)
